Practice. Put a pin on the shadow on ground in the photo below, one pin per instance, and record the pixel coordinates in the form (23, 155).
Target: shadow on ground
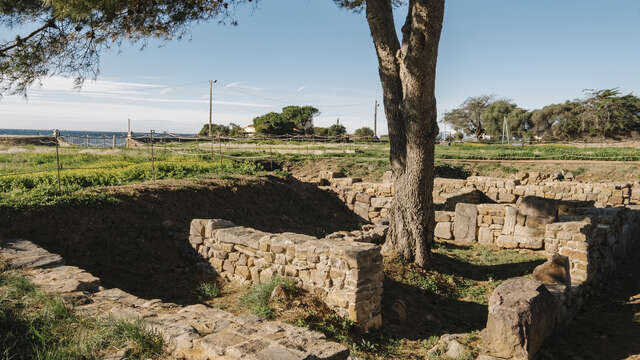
(140, 245)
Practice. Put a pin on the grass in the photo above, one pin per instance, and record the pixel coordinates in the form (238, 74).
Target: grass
(34, 325)
(258, 296)
(209, 291)
(41, 189)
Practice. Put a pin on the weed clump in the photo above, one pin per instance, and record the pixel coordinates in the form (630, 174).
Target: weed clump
(257, 299)
(209, 291)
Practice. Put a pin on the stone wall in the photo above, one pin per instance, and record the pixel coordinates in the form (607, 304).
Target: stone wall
(587, 243)
(347, 274)
(372, 201)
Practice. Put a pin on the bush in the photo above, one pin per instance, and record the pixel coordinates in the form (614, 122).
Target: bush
(257, 299)
(209, 291)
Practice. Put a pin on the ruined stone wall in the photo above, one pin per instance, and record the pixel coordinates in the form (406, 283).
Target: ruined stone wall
(372, 201)
(348, 275)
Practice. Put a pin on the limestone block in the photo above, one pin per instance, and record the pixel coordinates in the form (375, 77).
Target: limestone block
(381, 202)
(509, 220)
(362, 209)
(522, 314)
(466, 223)
(538, 207)
(507, 241)
(554, 271)
(485, 236)
(443, 230)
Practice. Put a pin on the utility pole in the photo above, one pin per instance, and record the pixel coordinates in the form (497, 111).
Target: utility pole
(210, 106)
(375, 118)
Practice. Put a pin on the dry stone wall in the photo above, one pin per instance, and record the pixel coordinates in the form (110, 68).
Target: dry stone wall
(372, 201)
(347, 274)
(588, 243)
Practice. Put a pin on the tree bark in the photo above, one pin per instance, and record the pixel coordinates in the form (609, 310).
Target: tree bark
(407, 72)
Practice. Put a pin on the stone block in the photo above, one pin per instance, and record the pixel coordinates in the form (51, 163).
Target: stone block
(443, 230)
(522, 314)
(510, 215)
(507, 241)
(466, 223)
(554, 271)
(485, 236)
(381, 202)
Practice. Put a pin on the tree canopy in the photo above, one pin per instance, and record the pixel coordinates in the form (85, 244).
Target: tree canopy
(365, 132)
(292, 120)
(67, 36)
(336, 130)
(602, 113)
(222, 130)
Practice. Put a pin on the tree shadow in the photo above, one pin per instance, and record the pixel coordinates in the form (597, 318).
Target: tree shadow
(140, 245)
(427, 314)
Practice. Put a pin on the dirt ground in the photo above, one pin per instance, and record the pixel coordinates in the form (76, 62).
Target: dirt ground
(372, 170)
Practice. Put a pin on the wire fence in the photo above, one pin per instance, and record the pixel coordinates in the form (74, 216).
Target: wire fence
(151, 148)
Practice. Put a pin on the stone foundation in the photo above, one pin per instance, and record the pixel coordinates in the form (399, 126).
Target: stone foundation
(348, 275)
(372, 201)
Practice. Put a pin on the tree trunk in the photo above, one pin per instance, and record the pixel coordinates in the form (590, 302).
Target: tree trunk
(407, 73)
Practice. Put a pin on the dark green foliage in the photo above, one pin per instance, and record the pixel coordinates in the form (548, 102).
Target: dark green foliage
(69, 35)
(603, 113)
(292, 120)
(467, 117)
(232, 129)
(209, 291)
(364, 132)
(336, 130)
(320, 131)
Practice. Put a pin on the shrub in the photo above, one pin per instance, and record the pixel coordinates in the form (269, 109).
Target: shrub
(257, 299)
(209, 291)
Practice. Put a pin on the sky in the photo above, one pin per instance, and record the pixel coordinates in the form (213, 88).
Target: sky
(310, 52)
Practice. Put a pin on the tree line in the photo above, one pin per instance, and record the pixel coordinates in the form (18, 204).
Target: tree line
(606, 113)
(293, 120)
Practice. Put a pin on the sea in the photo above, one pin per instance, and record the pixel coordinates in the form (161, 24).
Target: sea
(90, 138)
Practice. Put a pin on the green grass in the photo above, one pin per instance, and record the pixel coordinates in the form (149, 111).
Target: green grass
(209, 291)
(258, 296)
(41, 189)
(34, 325)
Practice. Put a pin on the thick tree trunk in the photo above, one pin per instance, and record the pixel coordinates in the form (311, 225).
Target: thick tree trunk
(407, 72)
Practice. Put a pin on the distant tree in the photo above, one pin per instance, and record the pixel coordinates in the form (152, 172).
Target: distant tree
(494, 115)
(320, 131)
(336, 130)
(301, 117)
(292, 119)
(467, 117)
(554, 117)
(216, 130)
(236, 130)
(458, 136)
(364, 132)
(273, 124)
(607, 113)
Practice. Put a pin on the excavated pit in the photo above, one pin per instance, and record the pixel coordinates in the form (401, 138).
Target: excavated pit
(140, 244)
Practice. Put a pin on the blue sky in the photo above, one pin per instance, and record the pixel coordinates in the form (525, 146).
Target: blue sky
(309, 52)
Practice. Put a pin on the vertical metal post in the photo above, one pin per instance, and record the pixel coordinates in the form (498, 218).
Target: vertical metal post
(58, 165)
(220, 149)
(375, 118)
(153, 159)
(113, 142)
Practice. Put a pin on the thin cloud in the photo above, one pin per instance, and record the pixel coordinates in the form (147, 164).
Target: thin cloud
(241, 85)
(301, 88)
